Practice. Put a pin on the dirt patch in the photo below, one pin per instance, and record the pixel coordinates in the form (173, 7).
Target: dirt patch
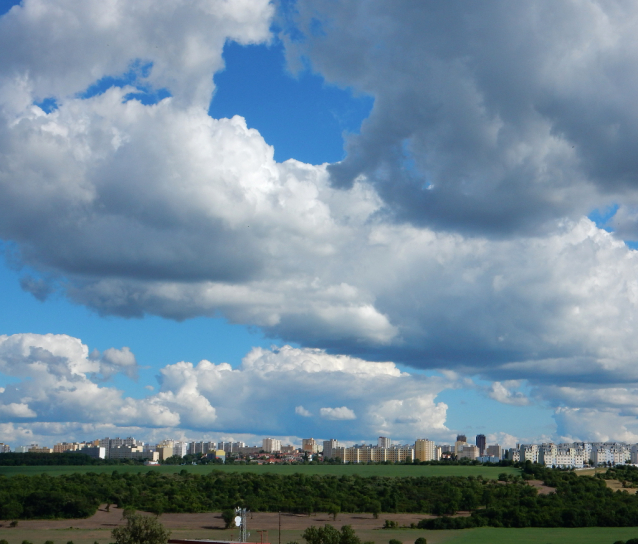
(541, 487)
(616, 485)
(259, 520)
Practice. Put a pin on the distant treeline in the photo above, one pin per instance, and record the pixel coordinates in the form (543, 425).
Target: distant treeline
(14, 459)
(511, 502)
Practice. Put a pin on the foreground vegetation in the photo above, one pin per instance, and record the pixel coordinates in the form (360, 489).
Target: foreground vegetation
(510, 502)
(576, 502)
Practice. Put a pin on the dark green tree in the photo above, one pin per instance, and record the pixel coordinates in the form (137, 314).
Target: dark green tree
(141, 529)
(229, 518)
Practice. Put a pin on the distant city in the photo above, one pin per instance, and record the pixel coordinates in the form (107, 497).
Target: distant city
(272, 451)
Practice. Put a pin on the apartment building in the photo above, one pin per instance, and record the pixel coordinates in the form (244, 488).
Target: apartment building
(132, 452)
(468, 452)
(528, 452)
(328, 448)
(309, 445)
(425, 450)
(365, 454)
(271, 445)
(201, 447)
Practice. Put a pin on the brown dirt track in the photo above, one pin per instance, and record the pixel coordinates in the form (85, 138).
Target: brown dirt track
(206, 526)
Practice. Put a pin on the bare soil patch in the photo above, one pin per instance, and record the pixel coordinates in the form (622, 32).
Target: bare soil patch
(213, 520)
(541, 487)
(617, 485)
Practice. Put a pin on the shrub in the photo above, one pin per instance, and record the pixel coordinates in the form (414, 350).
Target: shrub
(420, 540)
(14, 523)
(229, 518)
(48, 542)
(3, 541)
(395, 541)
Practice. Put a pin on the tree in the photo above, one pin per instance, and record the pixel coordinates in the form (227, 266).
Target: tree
(421, 540)
(140, 529)
(329, 535)
(229, 518)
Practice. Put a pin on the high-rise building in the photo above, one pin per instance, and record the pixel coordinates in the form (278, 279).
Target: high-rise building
(480, 443)
(495, 451)
(424, 450)
(328, 448)
(271, 445)
(461, 438)
(309, 445)
(384, 442)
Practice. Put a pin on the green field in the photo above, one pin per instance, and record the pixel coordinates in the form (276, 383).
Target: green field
(338, 470)
(485, 535)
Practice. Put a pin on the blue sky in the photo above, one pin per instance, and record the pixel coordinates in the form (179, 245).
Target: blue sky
(395, 232)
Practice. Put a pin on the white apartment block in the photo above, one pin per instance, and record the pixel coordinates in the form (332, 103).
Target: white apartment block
(25, 449)
(4, 448)
(528, 452)
(384, 442)
(201, 447)
(132, 452)
(230, 447)
(375, 454)
(328, 448)
(547, 454)
(513, 454)
(426, 450)
(468, 452)
(271, 445)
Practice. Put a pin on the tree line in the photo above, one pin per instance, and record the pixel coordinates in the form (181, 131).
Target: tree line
(511, 502)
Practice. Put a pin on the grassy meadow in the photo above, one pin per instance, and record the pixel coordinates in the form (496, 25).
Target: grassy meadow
(483, 535)
(338, 470)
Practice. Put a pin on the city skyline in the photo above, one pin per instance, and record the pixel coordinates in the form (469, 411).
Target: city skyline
(257, 219)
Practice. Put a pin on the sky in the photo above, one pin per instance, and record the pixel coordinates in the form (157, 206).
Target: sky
(234, 219)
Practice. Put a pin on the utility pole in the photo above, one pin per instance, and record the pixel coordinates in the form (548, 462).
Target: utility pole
(240, 521)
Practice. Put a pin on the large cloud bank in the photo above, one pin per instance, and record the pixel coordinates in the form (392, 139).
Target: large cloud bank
(57, 390)
(453, 235)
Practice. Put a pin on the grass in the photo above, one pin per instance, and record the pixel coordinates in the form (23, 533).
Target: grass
(338, 470)
(484, 535)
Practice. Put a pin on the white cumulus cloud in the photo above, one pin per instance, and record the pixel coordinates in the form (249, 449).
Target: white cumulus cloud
(342, 412)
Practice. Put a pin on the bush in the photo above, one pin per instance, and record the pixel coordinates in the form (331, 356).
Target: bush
(420, 540)
(141, 529)
(48, 542)
(229, 518)
(3, 541)
(14, 523)
(389, 524)
(27, 542)
(395, 541)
